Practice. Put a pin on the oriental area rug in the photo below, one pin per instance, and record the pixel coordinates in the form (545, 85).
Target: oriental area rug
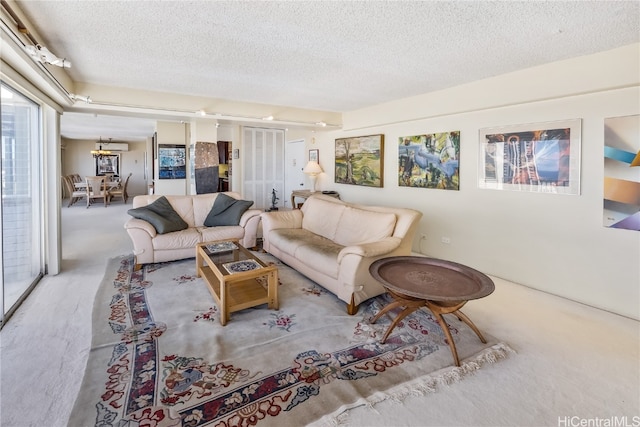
(160, 357)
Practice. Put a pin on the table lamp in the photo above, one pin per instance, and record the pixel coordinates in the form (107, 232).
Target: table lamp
(312, 169)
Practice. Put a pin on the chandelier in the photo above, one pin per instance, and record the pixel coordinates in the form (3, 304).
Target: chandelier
(99, 153)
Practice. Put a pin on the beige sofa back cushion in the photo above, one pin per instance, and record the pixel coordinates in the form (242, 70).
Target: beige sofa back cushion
(321, 216)
(359, 226)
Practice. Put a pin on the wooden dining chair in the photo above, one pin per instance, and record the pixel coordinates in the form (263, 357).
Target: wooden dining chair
(73, 193)
(97, 189)
(120, 191)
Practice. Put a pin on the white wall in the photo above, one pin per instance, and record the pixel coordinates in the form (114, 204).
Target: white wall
(554, 243)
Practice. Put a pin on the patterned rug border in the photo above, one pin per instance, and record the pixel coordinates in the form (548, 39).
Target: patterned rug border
(422, 386)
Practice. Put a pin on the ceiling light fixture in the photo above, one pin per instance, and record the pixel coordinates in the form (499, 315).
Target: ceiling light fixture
(323, 124)
(42, 54)
(100, 153)
(202, 113)
(267, 118)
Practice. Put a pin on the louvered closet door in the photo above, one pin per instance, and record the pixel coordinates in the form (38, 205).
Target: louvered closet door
(263, 166)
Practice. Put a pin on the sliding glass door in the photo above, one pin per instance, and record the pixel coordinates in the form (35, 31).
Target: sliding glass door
(21, 214)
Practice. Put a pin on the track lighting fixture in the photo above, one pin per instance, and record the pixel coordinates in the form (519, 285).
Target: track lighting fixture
(42, 54)
(86, 99)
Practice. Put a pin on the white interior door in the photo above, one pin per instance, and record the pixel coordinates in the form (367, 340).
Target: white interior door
(295, 160)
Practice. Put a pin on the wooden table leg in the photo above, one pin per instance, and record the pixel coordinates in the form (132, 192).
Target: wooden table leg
(411, 304)
(468, 321)
(224, 312)
(440, 308)
(272, 290)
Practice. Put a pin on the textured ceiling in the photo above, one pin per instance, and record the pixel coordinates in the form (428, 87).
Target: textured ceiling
(335, 56)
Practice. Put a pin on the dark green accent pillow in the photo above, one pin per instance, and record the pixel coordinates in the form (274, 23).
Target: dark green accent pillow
(161, 215)
(226, 211)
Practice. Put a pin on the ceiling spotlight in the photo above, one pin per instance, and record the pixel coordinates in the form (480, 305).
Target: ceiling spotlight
(86, 99)
(202, 113)
(268, 118)
(323, 124)
(42, 54)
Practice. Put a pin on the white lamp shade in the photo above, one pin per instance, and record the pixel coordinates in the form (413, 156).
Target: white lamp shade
(312, 168)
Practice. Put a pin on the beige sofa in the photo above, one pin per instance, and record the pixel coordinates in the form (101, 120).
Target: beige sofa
(333, 243)
(151, 247)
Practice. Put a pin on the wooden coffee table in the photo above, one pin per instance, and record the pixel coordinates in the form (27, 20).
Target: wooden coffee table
(441, 286)
(236, 278)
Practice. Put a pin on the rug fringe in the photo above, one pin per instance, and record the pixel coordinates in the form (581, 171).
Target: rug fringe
(424, 385)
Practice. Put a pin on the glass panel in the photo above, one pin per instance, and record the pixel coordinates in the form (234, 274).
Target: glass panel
(21, 195)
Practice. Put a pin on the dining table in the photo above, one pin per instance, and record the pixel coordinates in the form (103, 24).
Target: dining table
(110, 185)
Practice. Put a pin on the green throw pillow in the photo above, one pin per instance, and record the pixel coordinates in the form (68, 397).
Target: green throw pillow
(226, 211)
(161, 215)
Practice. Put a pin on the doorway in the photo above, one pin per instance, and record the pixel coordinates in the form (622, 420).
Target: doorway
(295, 160)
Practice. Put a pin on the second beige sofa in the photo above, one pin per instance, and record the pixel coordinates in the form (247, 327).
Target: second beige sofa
(333, 243)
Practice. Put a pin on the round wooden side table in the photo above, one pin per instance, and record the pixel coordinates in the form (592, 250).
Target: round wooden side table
(441, 286)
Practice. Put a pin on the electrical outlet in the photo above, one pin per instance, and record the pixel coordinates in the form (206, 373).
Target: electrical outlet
(445, 240)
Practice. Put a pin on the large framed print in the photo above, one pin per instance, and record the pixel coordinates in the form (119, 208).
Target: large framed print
(359, 160)
(622, 172)
(536, 157)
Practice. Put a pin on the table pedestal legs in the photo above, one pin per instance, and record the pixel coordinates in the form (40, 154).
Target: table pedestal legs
(438, 308)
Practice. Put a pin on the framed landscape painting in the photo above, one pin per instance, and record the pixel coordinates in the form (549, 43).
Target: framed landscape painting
(538, 157)
(359, 160)
(430, 161)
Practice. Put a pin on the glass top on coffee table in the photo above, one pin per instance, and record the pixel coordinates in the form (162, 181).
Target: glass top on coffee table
(235, 277)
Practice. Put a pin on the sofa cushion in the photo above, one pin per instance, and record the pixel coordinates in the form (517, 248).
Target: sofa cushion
(222, 232)
(181, 239)
(359, 226)
(317, 252)
(321, 256)
(226, 211)
(321, 216)
(288, 240)
(161, 215)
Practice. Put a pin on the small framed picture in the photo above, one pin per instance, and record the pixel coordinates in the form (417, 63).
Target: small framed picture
(313, 155)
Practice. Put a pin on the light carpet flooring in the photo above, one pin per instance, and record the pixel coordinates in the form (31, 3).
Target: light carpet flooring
(574, 363)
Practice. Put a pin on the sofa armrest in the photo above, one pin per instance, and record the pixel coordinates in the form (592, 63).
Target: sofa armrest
(247, 215)
(141, 224)
(374, 249)
(141, 233)
(281, 219)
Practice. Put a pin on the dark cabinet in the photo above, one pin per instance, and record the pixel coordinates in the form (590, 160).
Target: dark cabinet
(223, 152)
